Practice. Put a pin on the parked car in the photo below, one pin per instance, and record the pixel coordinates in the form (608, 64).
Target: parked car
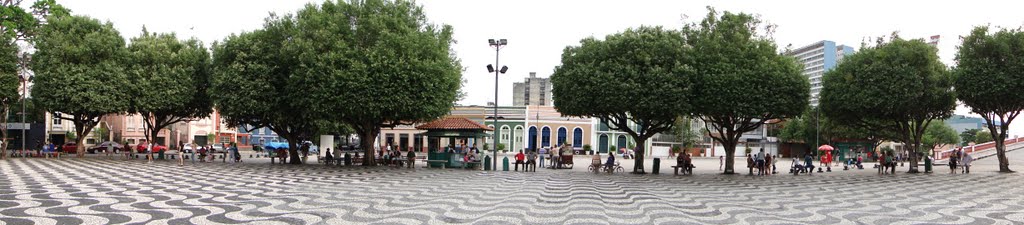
(188, 148)
(103, 147)
(69, 148)
(141, 148)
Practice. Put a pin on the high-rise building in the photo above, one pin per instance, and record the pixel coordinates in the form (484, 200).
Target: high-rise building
(817, 58)
(532, 91)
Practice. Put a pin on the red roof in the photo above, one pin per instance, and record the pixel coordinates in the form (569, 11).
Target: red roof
(453, 123)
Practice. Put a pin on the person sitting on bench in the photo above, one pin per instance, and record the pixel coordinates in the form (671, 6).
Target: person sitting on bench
(531, 162)
(520, 160)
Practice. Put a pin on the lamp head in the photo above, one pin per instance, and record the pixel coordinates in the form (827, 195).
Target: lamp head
(490, 68)
(503, 69)
(503, 42)
(491, 41)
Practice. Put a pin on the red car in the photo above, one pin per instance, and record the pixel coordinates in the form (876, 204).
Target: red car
(69, 148)
(141, 148)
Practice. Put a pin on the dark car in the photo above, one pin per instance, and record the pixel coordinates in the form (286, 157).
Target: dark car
(103, 147)
(69, 148)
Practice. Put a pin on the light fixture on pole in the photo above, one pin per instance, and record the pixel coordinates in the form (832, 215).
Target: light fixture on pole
(497, 44)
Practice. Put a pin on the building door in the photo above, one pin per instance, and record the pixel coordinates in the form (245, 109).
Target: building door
(533, 138)
(621, 142)
(602, 143)
(201, 140)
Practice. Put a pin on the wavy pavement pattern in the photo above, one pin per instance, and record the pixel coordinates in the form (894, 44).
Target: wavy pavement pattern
(99, 191)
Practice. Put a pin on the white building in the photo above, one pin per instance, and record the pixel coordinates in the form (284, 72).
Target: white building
(818, 58)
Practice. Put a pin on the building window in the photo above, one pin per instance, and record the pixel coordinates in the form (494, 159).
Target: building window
(561, 136)
(545, 137)
(403, 142)
(577, 138)
(56, 119)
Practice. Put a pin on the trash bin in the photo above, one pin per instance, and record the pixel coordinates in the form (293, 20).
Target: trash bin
(487, 162)
(927, 164)
(657, 166)
(504, 164)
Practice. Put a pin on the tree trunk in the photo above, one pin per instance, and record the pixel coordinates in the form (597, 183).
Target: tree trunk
(638, 166)
(914, 152)
(366, 137)
(293, 151)
(1004, 163)
(730, 152)
(79, 145)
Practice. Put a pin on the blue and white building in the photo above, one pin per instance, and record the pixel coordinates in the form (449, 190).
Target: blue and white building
(818, 58)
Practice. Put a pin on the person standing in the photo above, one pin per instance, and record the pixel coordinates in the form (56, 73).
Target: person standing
(750, 164)
(531, 162)
(721, 162)
(759, 162)
(149, 151)
(953, 160)
(181, 157)
(767, 164)
(966, 162)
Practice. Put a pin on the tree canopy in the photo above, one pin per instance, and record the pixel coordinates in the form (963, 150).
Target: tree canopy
(897, 86)
(170, 79)
(939, 134)
(79, 71)
(254, 84)
(989, 79)
(969, 136)
(374, 64)
(742, 81)
(9, 81)
(633, 77)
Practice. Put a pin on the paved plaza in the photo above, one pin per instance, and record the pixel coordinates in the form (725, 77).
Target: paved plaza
(96, 190)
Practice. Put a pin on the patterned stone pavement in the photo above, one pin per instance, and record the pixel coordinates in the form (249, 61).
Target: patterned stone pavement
(103, 191)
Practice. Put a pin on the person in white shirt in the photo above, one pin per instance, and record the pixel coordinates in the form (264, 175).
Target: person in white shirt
(149, 152)
(966, 161)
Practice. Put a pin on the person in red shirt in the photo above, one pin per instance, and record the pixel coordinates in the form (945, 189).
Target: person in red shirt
(520, 159)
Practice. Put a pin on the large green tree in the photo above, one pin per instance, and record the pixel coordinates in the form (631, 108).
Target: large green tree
(742, 81)
(635, 81)
(169, 78)
(938, 134)
(897, 86)
(79, 72)
(374, 64)
(983, 136)
(989, 80)
(254, 84)
(969, 136)
(9, 83)
(18, 26)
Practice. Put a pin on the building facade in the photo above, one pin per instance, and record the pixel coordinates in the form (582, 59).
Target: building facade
(817, 59)
(962, 123)
(511, 127)
(131, 129)
(546, 128)
(533, 91)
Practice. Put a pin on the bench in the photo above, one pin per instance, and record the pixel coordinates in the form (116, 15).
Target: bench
(685, 170)
(444, 163)
(467, 165)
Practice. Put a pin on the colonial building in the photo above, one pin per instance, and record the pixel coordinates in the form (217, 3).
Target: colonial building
(546, 127)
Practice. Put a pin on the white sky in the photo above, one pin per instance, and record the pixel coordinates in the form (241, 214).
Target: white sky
(538, 30)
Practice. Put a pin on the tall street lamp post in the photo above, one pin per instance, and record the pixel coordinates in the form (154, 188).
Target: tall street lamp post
(497, 44)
